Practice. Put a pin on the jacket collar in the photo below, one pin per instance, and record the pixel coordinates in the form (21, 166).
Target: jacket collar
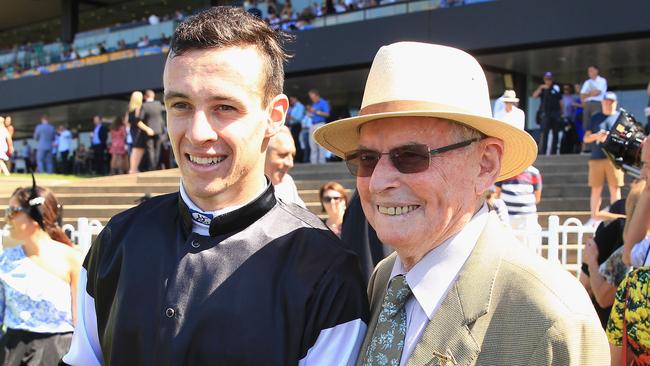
(233, 221)
(448, 337)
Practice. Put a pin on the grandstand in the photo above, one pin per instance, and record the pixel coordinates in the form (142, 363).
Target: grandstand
(513, 40)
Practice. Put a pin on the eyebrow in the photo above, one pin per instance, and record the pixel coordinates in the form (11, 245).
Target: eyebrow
(174, 94)
(409, 143)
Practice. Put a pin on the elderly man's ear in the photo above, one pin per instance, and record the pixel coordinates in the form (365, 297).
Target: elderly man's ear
(491, 151)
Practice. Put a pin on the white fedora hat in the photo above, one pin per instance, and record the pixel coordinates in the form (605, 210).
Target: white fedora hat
(421, 79)
(510, 96)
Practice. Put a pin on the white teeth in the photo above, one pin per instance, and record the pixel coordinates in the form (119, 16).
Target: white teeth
(206, 161)
(394, 211)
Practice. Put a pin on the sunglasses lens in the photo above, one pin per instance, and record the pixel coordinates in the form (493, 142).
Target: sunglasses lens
(411, 158)
(361, 163)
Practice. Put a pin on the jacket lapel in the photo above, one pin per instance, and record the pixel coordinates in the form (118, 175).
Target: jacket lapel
(448, 338)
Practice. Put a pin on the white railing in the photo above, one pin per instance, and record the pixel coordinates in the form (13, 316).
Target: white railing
(82, 235)
(558, 242)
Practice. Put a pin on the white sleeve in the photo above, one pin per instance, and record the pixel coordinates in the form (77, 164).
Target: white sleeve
(338, 345)
(640, 252)
(603, 86)
(85, 349)
(585, 87)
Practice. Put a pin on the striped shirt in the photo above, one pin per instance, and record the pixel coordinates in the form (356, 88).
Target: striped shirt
(518, 192)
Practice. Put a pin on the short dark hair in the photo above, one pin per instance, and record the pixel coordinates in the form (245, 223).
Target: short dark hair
(225, 26)
(594, 66)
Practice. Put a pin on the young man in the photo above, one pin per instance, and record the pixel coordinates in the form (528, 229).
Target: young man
(601, 168)
(221, 272)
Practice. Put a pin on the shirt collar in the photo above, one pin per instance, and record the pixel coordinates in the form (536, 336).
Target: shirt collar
(433, 275)
(227, 219)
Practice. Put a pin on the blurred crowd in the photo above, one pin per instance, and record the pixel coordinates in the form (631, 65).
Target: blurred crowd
(130, 143)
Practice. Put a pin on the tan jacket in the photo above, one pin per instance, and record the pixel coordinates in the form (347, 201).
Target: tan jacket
(508, 306)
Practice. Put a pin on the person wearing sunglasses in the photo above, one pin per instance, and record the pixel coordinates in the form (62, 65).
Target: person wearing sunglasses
(38, 281)
(459, 288)
(333, 201)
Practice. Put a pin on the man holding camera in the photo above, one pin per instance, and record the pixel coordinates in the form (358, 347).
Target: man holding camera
(600, 168)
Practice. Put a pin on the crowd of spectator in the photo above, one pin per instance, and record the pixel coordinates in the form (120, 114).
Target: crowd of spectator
(129, 143)
(279, 15)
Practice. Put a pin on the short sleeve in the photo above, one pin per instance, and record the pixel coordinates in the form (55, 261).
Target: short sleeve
(537, 182)
(613, 269)
(639, 253)
(615, 323)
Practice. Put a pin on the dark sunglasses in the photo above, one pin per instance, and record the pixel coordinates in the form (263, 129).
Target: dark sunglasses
(11, 211)
(406, 159)
(328, 199)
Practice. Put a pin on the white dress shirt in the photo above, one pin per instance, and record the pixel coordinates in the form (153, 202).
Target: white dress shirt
(287, 191)
(600, 84)
(432, 277)
(515, 117)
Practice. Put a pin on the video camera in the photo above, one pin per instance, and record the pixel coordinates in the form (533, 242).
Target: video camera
(623, 144)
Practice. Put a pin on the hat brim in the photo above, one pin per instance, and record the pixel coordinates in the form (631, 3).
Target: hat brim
(511, 100)
(520, 150)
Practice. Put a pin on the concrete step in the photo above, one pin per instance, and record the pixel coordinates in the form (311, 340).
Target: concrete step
(100, 199)
(315, 184)
(554, 159)
(119, 188)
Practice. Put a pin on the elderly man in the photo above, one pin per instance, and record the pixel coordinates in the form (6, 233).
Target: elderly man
(459, 289)
(279, 160)
(220, 273)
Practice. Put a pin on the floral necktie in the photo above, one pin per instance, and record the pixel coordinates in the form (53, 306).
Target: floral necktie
(387, 340)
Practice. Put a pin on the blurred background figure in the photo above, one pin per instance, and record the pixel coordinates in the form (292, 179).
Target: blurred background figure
(510, 113)
(137, 134)
(497, 205)
(294, 120)
(118, 149)
(98, 145)
(521, 194)
(334, 201)
(11, 130)
(64, 147)
(6, 148)
(549, 114)
(81, 157)
(279, 160)
(44, 134)
(38, 281)
(604, 267)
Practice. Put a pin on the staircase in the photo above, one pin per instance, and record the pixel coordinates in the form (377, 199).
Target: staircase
(565, 191)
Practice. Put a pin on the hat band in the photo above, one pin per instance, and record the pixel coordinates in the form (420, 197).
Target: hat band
(408, 105)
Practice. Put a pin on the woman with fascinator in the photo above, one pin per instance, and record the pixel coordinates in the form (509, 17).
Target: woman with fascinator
(38, 281)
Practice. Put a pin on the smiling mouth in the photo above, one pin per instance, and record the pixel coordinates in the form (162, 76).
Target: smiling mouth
(394, 211)
(201, 160)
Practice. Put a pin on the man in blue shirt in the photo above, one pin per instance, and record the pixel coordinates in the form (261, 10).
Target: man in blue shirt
(44, 134)
(599, 166)
(320, 110)
(296, 113)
